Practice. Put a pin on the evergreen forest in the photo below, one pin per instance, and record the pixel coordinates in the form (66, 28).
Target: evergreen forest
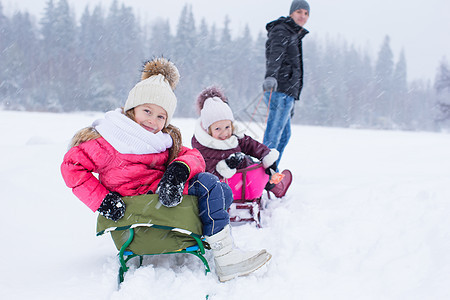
(60, 63)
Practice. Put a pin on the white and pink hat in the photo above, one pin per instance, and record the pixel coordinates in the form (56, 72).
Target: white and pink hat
(213, 106)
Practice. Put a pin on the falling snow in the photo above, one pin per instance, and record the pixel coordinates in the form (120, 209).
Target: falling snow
(366, 218)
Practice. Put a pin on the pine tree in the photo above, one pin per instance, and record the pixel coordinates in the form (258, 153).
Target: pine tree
(123, 52)
(23, 59)
(384, 68)
(206, 53)
(353, 85)
(161, 40)
(185, 56)
(66, 56)
(95, 90)
(7, 89)
(92, 37)
(242, 87)
(330, 99)
(5, 33)
(225, 52)
(367, 104)
(442, 86)
(48, 69)
(443, 77)
(213, 59)
(305, 109)
(401, 111)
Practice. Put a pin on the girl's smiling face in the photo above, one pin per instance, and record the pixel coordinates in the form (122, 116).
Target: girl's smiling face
(221, 130)
(151, 117)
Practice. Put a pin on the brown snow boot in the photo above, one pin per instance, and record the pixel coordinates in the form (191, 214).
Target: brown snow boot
(280, 189)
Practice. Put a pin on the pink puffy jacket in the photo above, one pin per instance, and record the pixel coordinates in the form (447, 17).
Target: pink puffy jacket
(126, 174)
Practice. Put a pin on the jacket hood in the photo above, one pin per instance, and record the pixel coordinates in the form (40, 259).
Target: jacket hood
(289, 24)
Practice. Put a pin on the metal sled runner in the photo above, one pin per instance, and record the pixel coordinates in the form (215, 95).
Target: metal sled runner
(149, 228)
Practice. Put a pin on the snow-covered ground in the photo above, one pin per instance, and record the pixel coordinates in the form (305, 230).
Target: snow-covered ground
(367, 217)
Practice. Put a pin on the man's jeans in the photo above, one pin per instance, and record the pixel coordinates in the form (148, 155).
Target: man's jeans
(278, 128)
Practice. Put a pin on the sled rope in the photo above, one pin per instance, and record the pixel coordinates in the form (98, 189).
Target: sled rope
(267, 116)
(257, 105)
(256, 108)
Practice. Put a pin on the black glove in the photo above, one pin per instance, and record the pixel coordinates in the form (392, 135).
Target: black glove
(171, 186)
(234, 160)
(272, 167)
(270, 84)
(112, 207)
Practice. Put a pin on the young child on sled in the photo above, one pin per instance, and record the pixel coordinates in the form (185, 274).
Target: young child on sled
(226, 148)
(136, 151)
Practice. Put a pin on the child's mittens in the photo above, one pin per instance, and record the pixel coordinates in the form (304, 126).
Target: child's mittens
(112, 207)
(234, 160)
(171, 186)
(270, 159)
(227, 167)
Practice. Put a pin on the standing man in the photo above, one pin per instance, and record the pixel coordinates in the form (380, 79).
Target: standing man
(284, 73)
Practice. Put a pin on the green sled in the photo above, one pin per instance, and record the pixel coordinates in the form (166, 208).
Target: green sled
(149, 228)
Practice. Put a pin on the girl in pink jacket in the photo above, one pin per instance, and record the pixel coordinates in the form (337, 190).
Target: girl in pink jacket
(135, 151)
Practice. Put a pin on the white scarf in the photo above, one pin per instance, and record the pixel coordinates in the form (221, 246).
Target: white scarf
(128, 137)
(208, 141)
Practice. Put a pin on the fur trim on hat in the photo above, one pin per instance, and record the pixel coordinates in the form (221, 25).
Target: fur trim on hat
(162, 66)
(210, 92)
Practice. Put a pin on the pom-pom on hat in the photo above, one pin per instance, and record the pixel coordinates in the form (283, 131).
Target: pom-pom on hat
(212, 106)
(158, 80)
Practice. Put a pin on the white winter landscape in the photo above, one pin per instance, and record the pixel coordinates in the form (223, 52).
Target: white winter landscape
(367, 217)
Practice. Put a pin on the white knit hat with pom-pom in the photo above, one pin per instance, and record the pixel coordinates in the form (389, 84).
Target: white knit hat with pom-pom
(159, 79)
(213, 107)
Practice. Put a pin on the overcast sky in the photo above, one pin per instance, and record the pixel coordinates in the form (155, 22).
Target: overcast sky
(419, 27)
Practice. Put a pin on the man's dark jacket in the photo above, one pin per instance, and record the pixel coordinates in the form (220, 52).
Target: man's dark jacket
(284, 59)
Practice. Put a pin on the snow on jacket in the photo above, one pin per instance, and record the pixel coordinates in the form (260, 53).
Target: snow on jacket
(284, 54)
(215, 151)
(127, 174)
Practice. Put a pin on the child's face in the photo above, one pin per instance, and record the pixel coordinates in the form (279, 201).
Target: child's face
(221, 130)
(151, 117)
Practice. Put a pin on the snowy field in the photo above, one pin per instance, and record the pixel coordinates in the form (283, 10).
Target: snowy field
(367, 217)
